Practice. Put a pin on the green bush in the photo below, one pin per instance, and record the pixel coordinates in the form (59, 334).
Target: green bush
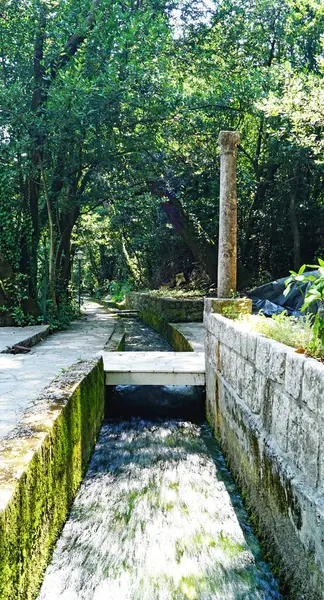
(14, 291)
(118, 289)
(100, 291)
(61, 319)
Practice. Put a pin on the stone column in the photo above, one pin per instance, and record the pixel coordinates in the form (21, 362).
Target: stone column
(227, 247)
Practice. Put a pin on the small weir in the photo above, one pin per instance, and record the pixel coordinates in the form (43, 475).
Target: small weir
(158, 516)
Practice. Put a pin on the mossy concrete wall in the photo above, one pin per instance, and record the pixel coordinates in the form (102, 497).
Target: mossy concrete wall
(171, 310)
(265, 404)
(169, 331)
(41, 469)
(159, 313)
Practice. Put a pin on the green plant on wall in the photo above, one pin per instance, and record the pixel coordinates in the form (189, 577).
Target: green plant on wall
(314, 294)
(231, 312)
(14, 292)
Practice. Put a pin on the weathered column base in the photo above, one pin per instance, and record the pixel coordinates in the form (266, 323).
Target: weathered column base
(228, 307)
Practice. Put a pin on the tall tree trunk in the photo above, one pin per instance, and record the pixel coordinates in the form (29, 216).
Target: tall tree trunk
(93, 263)
(38, 102)
(33, 183)
(204, 250)
(134, 272)
(63, 262)
(51, 226)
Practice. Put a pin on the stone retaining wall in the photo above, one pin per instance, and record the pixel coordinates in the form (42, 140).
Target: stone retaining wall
(266, 404)
(171, 310)
(42, 465)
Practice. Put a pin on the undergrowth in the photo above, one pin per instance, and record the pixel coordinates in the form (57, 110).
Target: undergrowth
(61, 319)
(297, 332)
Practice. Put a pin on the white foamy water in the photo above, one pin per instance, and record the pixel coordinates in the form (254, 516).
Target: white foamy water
(157, 517)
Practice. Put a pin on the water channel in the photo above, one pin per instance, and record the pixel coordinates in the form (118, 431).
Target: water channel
(158, 516)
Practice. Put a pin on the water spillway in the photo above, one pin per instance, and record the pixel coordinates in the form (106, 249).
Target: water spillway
(158, 516)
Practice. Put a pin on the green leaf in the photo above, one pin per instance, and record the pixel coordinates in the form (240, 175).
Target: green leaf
(309, 300)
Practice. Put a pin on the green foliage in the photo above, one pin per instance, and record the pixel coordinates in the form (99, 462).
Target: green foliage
(61, 318)
(297, 332)
(118, 289)
(128, 122)
(14, 290)
(297, 278)
(314, 294)
(100, 291)
(231, 312)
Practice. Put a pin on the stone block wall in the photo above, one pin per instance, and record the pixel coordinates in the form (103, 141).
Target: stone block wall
(171, 310)
(265, 403)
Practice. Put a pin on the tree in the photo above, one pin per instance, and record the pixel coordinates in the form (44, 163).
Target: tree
(119, 104)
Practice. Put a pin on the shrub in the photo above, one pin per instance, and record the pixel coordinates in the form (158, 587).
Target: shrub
(61, 319)
(118, 289)
(314, 295)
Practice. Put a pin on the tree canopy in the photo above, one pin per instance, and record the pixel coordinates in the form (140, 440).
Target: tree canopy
(109, 118)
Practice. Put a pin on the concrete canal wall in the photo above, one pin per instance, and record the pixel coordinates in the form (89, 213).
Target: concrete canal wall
(265, 403)
(161, 314)
(42, 465)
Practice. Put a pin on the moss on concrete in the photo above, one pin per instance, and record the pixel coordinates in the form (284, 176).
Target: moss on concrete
(272, 504)
(228, 307)
(121, 344)
(175, 338)
(178, 340)
(170, 310)
(116, 342)
(44, 466)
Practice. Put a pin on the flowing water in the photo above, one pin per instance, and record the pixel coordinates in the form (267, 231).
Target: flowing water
(158, 517)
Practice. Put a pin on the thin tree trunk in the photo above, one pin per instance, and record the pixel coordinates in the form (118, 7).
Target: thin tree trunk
(128, 261)
(203, 249)
(270, 168)
(93, 264)
(33, 183)
(137, 260)
(258, 200)
(51, 264)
